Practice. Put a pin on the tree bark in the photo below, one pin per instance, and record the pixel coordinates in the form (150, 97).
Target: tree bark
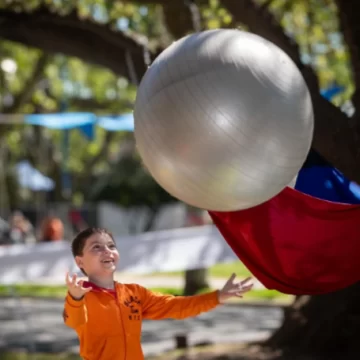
(178, 18)
(323, 324)
(349, 26)
(195, 280)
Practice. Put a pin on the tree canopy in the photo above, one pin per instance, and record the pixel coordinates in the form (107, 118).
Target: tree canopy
(92, 54)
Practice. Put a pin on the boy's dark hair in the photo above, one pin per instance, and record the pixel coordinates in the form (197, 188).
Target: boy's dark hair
(78, 244)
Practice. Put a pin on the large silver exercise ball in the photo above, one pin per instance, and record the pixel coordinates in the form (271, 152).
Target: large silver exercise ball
(223, 120)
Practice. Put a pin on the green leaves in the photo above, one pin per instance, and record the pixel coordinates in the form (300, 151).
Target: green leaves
(314, 25)
(215, 16)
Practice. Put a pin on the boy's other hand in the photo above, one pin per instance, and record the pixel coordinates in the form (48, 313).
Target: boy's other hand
(75, 288)
(234, 289)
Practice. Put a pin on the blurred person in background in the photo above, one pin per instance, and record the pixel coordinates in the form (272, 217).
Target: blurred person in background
(76, 220)
(52, 229)
(21, 230)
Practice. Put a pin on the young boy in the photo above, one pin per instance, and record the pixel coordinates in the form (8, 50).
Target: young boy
(107, 315)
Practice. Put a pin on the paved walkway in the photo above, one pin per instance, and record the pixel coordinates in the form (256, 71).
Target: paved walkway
(37, 325)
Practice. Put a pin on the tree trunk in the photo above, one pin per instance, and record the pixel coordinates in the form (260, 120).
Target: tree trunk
(195, 280)
(323, 324)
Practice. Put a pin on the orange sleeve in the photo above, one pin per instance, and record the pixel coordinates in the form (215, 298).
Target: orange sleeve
(157, 306)
(75, 313)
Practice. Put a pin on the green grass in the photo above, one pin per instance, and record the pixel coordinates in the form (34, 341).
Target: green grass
(57, 291)
(216, 271)
(41, 291)
(25, 356)
(225, 270)
(257, 294)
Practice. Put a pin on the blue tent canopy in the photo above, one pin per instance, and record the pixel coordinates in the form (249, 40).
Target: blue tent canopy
(62, 121)
(66, 121)
(117, 122)
(85, 122)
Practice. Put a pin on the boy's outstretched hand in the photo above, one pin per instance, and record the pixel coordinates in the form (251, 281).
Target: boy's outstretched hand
(75, 288)
(234, 289)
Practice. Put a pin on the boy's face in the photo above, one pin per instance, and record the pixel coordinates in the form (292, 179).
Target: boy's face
(99, 257)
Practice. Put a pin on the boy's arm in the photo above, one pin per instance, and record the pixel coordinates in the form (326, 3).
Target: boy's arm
(75, 313)
(158, 306)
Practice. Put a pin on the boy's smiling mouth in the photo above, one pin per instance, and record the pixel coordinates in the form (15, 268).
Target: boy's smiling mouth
(107, 261)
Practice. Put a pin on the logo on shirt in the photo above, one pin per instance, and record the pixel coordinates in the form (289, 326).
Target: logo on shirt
(133, 303)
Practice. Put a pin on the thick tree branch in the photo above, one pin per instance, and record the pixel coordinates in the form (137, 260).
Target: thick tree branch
(177, 14)
(30, 85)
(26, 92)
(349, 25)
(261, 22)
(178, 18)
(104, 149)
(72, 36)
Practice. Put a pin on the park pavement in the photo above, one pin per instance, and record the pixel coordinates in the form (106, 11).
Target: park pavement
(37, 325)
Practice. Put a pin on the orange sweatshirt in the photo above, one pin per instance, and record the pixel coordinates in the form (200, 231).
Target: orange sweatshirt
(108, 323)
